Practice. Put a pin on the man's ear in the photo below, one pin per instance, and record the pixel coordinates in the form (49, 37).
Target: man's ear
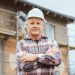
(43, 27)
(27, 29)
(26, 23)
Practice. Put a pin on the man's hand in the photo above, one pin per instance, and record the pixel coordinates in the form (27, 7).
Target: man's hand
(28, 57)
(51, 51)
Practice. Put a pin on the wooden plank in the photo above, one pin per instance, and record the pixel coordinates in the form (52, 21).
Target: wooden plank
(8, 32)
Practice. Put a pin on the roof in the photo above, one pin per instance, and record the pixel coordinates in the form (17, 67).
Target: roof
(61, 7)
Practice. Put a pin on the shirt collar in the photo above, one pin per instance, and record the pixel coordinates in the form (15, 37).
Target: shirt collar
(29, 38)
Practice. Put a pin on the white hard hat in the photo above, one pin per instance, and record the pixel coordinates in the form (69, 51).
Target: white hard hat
(35, 12)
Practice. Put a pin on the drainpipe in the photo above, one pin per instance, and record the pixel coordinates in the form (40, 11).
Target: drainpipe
(68, 69)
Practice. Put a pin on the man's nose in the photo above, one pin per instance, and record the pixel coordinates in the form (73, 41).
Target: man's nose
(35, 24)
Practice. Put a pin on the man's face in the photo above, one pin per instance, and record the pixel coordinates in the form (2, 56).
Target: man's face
(35, 26)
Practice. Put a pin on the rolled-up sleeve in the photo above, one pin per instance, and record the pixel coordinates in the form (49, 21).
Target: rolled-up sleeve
(57, 55)
(20, 50)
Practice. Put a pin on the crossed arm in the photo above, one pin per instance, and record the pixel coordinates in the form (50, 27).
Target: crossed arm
(51, 57)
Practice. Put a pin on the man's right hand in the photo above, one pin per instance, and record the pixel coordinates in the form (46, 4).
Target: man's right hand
(28, 57)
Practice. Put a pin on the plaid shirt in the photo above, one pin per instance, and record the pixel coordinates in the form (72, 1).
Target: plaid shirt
(27, 45)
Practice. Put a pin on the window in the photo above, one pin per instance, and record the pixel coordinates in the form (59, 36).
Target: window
(49, 29)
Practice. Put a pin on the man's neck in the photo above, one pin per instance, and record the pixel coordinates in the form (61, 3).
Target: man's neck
(35, 37)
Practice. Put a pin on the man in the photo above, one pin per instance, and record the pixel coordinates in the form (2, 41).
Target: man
(36, 54)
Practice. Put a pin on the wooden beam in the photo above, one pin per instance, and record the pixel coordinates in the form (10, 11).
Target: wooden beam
(11, 33)
(48, 12)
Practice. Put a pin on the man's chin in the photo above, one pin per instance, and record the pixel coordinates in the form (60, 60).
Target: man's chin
(35, 34)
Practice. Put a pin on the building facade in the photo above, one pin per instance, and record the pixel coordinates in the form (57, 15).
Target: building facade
(55, 28)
